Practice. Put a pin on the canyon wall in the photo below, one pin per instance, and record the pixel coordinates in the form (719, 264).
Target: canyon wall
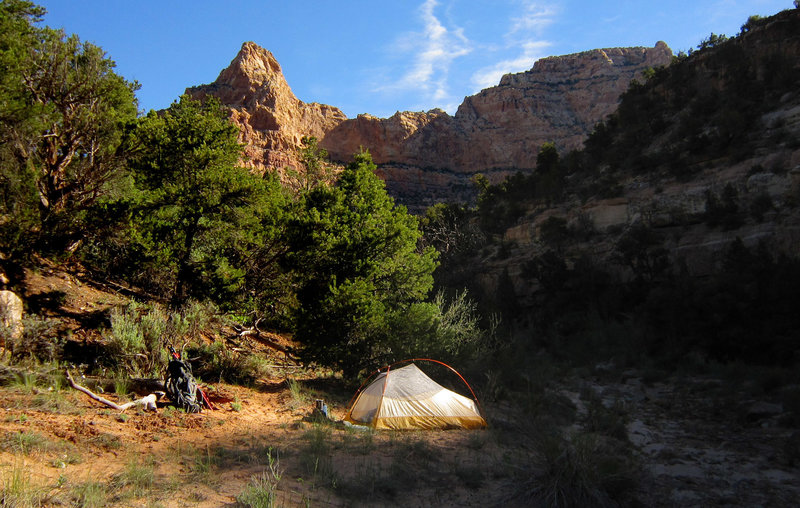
(426, 157)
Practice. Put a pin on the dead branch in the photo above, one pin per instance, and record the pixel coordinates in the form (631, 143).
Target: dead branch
(149, 401)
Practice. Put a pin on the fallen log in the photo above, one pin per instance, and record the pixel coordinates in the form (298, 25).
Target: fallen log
(148, 401)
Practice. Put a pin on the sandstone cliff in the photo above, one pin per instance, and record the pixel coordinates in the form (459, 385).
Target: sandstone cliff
(271, 119)
(560, 100)
(431, 156)
(499, 130)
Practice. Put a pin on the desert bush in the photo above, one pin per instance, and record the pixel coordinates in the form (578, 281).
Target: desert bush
(215, 361)
(137, 340)
(40, 340)
(583, 469)
(140, 333)
(723, 210)
(760, 205)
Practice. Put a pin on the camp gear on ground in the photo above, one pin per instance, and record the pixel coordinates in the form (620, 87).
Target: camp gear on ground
(181, 386)
(406, 398)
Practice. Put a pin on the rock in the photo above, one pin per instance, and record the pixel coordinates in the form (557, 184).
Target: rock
(760, 410)
(11, 313)
(271, 119)
(428, 157)
(499, 130)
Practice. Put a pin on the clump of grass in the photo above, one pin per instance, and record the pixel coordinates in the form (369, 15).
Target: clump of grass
(56, 402)
(361, 441)
(236, 405)
(299, 399)
(246, 450)
(138, 477)
(18, 490)
(25, 382)
(585, 469)
(471, 475)
(316, 455)
(608, 421)
(262, 489)
(90, 495)
(202, 466)
(122, 385)
(25, 442)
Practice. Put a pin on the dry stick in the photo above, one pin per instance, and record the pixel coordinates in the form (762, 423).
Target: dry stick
(149, 401)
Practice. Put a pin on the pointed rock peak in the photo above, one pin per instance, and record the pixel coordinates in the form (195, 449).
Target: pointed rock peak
(254, 57)
(254, 65)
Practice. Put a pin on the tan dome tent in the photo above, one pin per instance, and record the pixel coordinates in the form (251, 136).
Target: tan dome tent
(406, 398)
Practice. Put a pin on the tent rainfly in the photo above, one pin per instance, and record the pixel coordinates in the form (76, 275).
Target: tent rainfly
(406, 398)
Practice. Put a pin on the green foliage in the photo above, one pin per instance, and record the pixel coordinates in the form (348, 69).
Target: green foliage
(262, 489)
(195, 215)
(499, 206)
(356, 260)
(138, 338)
(449, 229)
(553, 232)
(140, 334)
(313, 157)
(217, 362)
(40, 339)
(752, 22)
(712, 41)
(63, 110)
(641, 249)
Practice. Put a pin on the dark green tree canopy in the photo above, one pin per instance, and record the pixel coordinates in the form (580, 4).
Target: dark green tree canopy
(195, 211)
(358, 261)
(63, 111)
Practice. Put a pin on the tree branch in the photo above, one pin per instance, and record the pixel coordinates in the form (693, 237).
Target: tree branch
(149, 401)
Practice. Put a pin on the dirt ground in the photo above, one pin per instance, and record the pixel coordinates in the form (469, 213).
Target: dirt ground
(65, 441)
(694, 441)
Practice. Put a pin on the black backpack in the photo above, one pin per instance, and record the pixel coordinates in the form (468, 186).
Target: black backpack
(181, 386)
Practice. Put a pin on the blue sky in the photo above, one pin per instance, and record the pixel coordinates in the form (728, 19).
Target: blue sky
(378, 57)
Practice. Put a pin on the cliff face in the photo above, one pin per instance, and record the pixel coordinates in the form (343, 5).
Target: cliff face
(721, 126)
(430, 157)
(499, 130)
(271, 119)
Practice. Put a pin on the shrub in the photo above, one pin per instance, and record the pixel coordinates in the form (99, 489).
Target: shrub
(39, 340)
(760, 205)
(582, 470)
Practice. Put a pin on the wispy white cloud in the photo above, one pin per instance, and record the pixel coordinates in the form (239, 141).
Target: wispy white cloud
(433, 51)
(524, 38)
(490, 76)
(534, 17)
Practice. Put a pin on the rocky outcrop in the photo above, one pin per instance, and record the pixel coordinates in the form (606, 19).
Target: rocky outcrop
(271, 119)
(11, 309)
(499, 130)
(426, 157)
